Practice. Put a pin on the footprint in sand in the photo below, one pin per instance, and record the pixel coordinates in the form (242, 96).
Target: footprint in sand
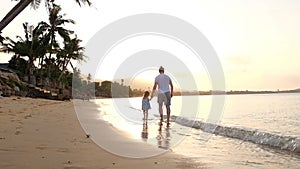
(41, 147)
(18, 132)
(63, 150)
(27, 116)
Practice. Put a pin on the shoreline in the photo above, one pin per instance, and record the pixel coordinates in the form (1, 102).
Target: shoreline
(41, 133)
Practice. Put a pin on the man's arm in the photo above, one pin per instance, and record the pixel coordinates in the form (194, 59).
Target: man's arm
(171, 85)
(153, 89)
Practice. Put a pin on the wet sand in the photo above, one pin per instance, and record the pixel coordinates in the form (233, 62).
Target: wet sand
(39, 133)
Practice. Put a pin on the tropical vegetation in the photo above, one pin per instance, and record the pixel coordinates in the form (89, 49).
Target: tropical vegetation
(44, 56)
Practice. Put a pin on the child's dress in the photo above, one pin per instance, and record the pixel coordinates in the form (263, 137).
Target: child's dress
(146, 104)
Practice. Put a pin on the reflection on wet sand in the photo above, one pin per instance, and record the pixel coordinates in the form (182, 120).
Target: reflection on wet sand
(163, 134)
(160, 136)
(145, 129)
(163, 137)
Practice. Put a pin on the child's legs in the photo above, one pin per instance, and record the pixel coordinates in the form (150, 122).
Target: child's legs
(146, 114)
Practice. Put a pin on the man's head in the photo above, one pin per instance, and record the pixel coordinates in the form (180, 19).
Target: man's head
(161, 69)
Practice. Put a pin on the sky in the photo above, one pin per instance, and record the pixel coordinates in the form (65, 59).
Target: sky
(257, 41)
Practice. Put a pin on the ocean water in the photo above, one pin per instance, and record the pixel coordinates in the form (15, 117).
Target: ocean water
(247, 131)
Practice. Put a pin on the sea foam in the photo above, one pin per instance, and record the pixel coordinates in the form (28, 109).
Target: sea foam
(252, 135)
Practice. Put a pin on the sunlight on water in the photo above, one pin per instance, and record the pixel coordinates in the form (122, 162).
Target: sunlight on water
(277, 114)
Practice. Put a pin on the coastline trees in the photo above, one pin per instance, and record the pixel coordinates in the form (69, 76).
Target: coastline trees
(48, 49)
(35, 45)
(43, 56)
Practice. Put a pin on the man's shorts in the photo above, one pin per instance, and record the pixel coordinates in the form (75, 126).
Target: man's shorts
(164, 98)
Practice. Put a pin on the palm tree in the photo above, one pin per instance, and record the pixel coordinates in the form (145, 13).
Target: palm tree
(71, 51)
(35, 45)
(17, 9)
(55, 26)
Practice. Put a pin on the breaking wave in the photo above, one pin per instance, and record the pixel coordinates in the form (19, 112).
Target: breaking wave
(252, 135)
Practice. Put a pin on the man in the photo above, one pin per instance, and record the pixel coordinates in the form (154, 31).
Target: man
(163, 82)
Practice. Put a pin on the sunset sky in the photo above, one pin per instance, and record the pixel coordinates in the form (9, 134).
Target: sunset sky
(257, 41)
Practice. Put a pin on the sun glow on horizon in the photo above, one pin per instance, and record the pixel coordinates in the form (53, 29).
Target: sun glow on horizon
(130, 48)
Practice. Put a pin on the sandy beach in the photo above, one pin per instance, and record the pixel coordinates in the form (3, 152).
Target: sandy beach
(40, 133)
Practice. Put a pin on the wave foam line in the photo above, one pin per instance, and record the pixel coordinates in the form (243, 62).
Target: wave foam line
(255, 136)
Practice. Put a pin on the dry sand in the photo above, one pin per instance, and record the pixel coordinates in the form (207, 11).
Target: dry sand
(39, 133)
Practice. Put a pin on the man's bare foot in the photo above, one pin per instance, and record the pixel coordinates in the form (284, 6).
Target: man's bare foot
(168, 124)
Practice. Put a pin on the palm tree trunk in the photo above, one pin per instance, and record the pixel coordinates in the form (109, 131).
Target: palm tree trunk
(15, 11)
(30, 71)
(65, 64)
(73, 67)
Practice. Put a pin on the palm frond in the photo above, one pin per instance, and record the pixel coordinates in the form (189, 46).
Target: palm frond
(1, 38)
(79, 2)
(35, 4)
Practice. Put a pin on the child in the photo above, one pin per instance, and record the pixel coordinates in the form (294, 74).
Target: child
(146, 104)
